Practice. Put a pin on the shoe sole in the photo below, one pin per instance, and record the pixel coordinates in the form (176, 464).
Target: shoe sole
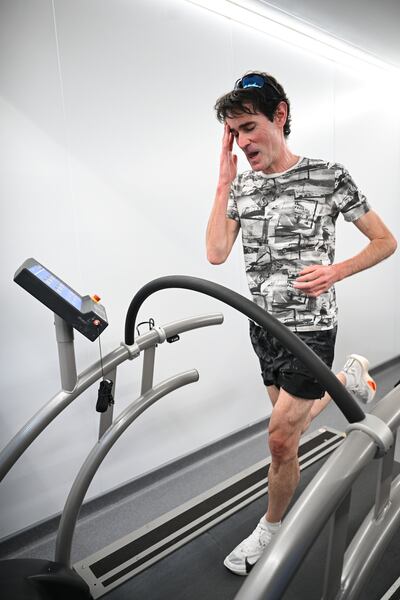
(234, 569)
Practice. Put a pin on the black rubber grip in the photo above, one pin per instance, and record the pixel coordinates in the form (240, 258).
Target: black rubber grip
(344, 400)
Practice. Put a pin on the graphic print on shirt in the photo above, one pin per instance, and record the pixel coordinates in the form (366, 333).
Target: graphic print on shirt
(288, 222)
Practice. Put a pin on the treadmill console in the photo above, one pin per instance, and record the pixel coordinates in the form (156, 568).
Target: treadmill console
(83, 313)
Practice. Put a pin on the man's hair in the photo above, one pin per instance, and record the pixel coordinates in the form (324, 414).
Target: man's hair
(252, 100)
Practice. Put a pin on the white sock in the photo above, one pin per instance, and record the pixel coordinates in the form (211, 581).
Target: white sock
(272, 527)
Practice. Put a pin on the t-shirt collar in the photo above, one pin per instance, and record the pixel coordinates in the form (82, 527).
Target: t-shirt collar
(270, 175)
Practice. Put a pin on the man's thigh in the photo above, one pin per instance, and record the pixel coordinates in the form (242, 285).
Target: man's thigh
(273, 393)
(289, 416)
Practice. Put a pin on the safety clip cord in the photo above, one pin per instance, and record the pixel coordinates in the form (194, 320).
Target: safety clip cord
(104, 395)
(150, 323)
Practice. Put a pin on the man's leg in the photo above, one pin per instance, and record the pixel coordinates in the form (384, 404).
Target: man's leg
(273, 393)
(287, 421)
(290, 417)
(319, 405)
(356, 378)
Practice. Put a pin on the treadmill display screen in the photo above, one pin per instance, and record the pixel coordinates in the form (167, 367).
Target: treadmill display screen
(58, 286)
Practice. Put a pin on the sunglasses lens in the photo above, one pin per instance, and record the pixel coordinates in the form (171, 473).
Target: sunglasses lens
(252, 81)
(256, 81)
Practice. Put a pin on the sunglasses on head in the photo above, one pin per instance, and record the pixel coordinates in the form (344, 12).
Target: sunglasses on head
(254, 80)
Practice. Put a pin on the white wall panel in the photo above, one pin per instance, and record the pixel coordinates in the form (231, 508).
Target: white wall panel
(109, 159)
(37, 220)
(365, 143)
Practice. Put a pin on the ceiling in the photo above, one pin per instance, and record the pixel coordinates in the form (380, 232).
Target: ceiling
(371, 26)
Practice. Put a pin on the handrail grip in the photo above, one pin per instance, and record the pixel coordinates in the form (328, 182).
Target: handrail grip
(184, 325)
(345, 401)
(158, 334)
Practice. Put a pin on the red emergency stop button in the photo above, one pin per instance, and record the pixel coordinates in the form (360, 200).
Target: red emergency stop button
(96, 298)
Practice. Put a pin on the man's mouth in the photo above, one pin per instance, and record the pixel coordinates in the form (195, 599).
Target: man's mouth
(252, 155)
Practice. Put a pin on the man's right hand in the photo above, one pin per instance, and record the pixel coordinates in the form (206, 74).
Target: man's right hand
(228, 160)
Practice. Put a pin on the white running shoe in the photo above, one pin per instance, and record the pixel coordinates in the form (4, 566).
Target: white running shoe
(358, 380)
(243, 558)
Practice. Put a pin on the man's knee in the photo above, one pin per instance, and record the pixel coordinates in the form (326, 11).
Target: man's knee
(283, 447)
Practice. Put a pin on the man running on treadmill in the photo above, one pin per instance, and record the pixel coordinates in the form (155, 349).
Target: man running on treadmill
(287, 206)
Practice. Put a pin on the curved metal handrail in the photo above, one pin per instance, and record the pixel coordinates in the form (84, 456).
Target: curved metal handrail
(345, 401)
(276, 568)
(100, 451)
(58, 403)
(49, 411)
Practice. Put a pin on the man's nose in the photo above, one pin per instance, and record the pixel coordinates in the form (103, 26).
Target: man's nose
(242, 141)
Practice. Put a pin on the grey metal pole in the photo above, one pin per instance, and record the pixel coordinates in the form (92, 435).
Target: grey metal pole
(368, 545)
(384, 481)
(338, 527)
(66, 353)
(148, 369)
(100, 451)
(192, 323)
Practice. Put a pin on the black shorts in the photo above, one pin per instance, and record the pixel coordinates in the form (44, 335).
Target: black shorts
(281, 368)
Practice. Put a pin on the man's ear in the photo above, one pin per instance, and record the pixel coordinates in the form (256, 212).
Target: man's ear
(280, 114)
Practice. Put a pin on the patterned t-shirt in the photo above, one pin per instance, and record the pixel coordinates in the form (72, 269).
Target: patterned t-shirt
(288, 222)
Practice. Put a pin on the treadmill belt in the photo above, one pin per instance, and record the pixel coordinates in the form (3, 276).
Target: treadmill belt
(196, 571)
(125, 559)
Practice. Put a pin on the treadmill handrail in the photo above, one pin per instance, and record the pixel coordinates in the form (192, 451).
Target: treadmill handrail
(158, 334)
(99, 452)
(53, 407)
(49, 411)
(342, 397)
(300, 528)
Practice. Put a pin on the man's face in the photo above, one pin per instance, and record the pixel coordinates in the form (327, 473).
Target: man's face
(260, 139)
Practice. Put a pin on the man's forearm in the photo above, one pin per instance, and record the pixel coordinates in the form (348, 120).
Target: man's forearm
(376, 251)
(216, 235)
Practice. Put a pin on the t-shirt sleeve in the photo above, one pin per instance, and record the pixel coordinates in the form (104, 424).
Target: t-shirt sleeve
(349, 200)
(232, 209)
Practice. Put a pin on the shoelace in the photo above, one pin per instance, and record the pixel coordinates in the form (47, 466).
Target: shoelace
(254, 539)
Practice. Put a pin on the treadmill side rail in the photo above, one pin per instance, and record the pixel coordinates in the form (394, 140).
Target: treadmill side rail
(321, 499)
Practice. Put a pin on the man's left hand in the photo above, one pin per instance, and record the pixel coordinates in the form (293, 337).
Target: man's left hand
(316, 279)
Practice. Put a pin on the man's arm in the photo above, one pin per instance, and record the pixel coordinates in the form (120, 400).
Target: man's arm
(222, 231)
(316, 279)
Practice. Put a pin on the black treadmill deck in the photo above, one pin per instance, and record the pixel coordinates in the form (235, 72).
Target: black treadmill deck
(137, 551)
